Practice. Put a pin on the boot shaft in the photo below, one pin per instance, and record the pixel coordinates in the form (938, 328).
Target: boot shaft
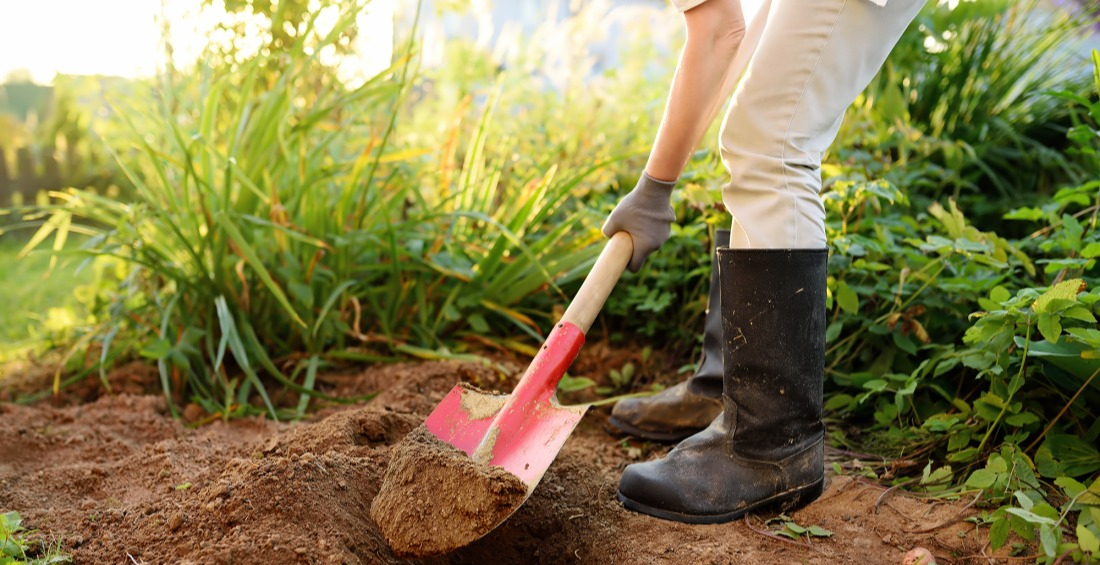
(773, 323)
(707, 380)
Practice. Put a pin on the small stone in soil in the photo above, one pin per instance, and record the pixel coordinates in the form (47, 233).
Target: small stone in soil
(435, 499)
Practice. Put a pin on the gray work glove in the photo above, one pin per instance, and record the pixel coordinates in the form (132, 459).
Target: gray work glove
(646, 214)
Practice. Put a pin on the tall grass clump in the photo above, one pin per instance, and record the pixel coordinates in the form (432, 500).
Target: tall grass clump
(969, 93)
(278, 225)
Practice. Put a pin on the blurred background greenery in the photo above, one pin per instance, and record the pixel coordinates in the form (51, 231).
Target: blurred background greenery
(307, 189)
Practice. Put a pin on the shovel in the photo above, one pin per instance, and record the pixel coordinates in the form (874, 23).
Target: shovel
(523, 432)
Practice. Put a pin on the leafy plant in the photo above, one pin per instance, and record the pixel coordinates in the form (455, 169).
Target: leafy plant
(16, 549)
(1008, 406)
(968, 90)
(793, 530)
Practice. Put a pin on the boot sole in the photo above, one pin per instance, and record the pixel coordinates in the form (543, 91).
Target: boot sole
(652, 436)
(789, 500)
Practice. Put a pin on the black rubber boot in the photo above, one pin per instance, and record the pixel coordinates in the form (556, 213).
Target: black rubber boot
(767, 447)
(682, 410)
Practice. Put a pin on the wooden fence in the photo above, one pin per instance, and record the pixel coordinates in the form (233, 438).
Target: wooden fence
(27, 176)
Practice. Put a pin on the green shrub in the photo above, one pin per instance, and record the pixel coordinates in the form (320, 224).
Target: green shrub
(1001, 406)
(277, 225)
(967, 92)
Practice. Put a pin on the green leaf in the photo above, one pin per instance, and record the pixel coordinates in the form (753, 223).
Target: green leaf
(837, 402)
(1021, 527)
(846, 298)
(833, 331)
(1029, 214)
(1048, 538)
(1025, 501)
(478, 323)
(981, 478)
(941, 423)
(964, 455)
(787, 533)
(958, 440)
(159, 349)
(1091, 250)
(11, 522)
(1065, 454)
(1085, 335)
(311, 379)
(904, 343)
(1087, 540)
(572, 384)
(1070, 486)
(989, 406)
(1065, 290)
(1032, 517)
(1079, 312)
(818, 531)
(998, 533)
(940, 475)
(1021, 419)
(1050, 327)
(231, 337)
(1073, 230)
(301, 292)
(999, 294)
(253, 261)
(876, 385)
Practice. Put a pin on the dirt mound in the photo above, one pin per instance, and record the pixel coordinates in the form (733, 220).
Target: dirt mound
(118, 481)
(435, 498)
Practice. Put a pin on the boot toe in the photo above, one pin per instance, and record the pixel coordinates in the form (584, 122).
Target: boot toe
(645, 487)
(701, 482)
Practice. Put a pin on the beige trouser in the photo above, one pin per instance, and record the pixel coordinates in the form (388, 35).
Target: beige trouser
(807, 60)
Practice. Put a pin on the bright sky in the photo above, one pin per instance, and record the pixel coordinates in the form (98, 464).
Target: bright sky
(115, 37)
(120, 37)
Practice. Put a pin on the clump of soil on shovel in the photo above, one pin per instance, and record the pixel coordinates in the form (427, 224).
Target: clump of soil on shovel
(435, 498)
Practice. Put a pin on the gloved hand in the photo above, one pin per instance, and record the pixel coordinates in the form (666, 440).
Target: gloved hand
(646, 214)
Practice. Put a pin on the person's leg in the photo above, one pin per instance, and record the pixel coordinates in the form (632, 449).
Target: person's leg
(812, 61)
(689, 406)
(766, 448)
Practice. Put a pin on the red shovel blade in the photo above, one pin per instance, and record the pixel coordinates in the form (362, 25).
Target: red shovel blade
(521, 432)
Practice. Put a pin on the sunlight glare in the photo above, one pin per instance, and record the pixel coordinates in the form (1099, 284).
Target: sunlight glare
(122, 37)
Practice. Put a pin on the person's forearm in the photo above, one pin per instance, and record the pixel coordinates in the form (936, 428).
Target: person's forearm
(702, 81)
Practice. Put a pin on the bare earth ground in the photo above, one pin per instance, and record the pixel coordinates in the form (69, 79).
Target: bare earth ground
(117, 480)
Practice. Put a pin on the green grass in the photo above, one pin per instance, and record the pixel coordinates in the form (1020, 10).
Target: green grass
(29, 293)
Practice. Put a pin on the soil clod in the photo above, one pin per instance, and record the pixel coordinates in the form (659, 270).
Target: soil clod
(435, 498)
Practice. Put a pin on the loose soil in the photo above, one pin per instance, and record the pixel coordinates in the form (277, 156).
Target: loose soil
(435, 499)
(117, 480)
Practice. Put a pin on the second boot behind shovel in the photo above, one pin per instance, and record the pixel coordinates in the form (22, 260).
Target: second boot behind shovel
(687, 407)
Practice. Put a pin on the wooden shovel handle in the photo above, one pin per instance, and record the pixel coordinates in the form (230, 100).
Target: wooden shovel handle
(601, 279)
